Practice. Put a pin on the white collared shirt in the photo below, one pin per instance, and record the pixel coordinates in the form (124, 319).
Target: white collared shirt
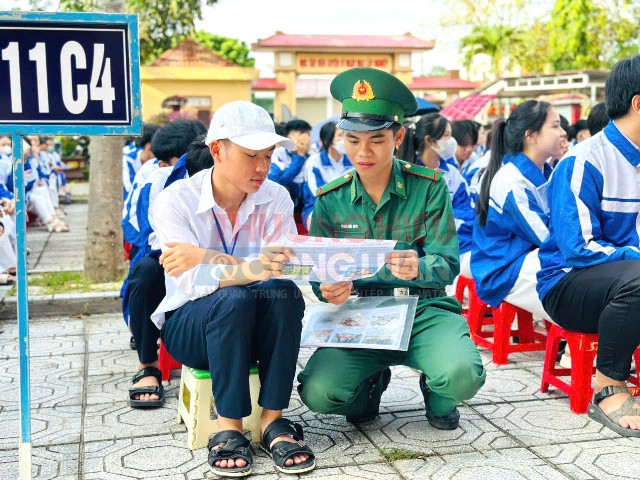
(182, 212)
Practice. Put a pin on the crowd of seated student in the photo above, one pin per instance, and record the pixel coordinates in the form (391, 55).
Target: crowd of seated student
(546, 227)
(144, 287)
(44, 182)
(555, 231)
(40, 177)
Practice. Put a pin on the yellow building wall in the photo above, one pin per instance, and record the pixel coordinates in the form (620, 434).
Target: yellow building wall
(222, 86)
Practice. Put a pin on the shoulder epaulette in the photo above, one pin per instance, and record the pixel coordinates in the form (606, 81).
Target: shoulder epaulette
(337, 183)
(421, 171)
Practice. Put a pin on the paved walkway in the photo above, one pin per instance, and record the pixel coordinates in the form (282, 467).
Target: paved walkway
(54, 252)
(83, 428)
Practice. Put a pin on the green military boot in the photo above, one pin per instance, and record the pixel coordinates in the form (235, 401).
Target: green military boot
(378, 383)
(450, 421)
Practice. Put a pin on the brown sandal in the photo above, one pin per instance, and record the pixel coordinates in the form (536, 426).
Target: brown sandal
(612, 420)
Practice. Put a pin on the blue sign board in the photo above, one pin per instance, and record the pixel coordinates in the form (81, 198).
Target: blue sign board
(69, 73)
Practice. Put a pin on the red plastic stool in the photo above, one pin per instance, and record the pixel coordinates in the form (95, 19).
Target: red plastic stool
(583, 348)
(166, 362)
(477, 310)
(464, 284)
(127, 250)
(498, 340)
(635, 379)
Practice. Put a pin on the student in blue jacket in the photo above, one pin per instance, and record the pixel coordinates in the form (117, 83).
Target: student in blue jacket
(465, 133)
(323, 167)
(287, 167)
(590, 276)
(435, 149)
(135, 154)
(512, 213)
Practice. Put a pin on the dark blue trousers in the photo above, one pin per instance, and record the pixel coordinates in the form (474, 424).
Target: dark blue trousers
(146, 291)
(228, 330)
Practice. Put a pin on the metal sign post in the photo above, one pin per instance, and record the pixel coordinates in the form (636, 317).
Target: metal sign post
(68, 74)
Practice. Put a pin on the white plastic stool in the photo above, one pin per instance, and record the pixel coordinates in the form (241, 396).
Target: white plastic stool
(196, 407)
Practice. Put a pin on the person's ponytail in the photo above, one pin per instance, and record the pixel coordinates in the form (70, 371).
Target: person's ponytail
(407, 149)
(509, 138)
(498, 148)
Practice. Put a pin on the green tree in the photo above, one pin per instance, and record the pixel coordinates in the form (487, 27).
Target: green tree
(532, 54)
(496, 41)
(572, 38)
(232, 49)
(161, 22)
(464, 13)
(616, 24)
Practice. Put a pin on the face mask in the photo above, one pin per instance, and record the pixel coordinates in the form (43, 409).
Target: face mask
(339, 146)
(5, 150)
(447, 148)
(50, 149)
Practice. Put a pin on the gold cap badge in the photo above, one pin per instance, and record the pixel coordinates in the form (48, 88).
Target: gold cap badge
(362, 91)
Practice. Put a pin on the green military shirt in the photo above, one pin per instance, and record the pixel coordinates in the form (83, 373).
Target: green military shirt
(415, 209)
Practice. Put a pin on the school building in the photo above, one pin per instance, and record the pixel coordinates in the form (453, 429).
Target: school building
(202, 80)
(305, 65)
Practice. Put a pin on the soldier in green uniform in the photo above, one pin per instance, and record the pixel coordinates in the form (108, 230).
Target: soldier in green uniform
(386, 198)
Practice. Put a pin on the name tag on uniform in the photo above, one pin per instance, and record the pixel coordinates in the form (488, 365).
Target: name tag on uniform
(350, 226)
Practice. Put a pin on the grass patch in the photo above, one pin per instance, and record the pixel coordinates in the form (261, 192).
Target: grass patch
(56, 282)
(64, 282)
(394, 454)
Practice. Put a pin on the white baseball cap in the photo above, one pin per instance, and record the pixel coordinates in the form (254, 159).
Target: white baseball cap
(245, 124)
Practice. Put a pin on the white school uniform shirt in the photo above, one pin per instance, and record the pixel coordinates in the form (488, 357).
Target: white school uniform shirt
(183, 212)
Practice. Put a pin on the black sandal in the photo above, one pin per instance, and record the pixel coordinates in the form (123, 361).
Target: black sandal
(283, 450)
(156, 390)
(611, 421)
(233, 446)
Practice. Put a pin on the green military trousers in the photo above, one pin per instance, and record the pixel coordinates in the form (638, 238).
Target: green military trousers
(334, 380)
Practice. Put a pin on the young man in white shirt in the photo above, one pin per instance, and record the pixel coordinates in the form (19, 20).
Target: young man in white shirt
(229, 311)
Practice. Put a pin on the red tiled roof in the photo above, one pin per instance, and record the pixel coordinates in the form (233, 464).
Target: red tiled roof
(190, 53)
(406, 41)
(466, 108)
(442, 83)
(267, 84)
